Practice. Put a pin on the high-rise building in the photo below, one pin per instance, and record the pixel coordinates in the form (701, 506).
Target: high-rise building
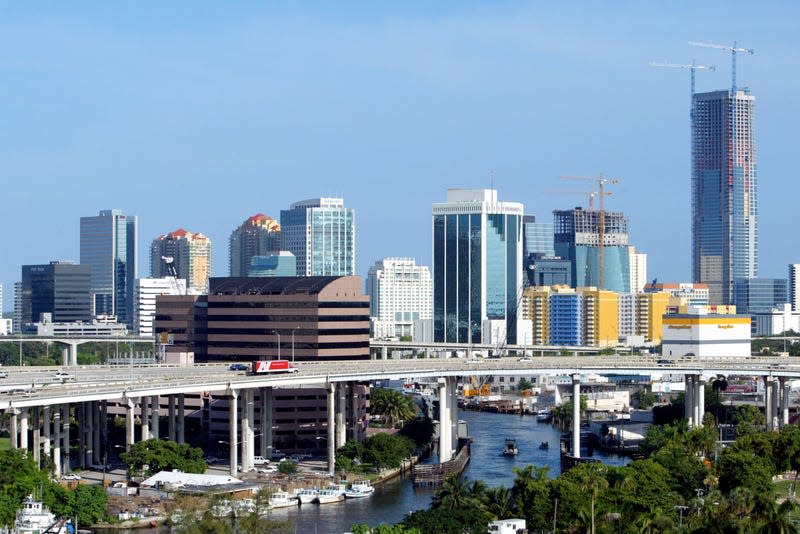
(794, 286)
(536, 310)
(537, 237)
(61, 289)
(477, 265)
(638, 267)
(600, 317)
(650, 311)
(259, 235)
(544, 271)
(759, 295)
(627, 315)
(17, 321)
(282, 263)
(566, 317)
(321, 233)
(576, 238)
(145, 293)
(108, 244)
(683, 294)
(400, 293)
(191, 254)
(724, 192)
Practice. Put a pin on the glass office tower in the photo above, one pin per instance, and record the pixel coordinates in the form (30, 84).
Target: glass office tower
(724, 192)
(321, 233)
(108, 247)
(477, 264)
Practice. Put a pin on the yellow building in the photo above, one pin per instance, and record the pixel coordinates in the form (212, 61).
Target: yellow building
(650, 310)
(535, 309)
(600, 317)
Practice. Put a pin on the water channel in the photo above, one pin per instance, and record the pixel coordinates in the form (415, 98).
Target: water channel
(396, 498)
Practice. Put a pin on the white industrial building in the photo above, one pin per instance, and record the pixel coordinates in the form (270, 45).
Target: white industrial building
(776, 321)
(400, 293)
(702, 334)
(144, 300)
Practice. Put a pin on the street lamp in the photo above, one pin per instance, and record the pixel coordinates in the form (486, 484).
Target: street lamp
(279, 343)
(680, 510)
(293, 331)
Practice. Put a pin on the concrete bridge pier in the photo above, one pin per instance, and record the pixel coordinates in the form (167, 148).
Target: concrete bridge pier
(700, 400)
(445, 421)
(785, 392)
(768, 402)
(97, 453)
(144, 409)
(776, 403)
(130, 410)
(233, 414)
(576, 415)
(341, 409)
(354, 411)
(248, 435)
(181, 435)
(36, 435)
(171, 417)
(13, 428)
(69, 354)
(266, 422)
(331, 389)
(688, 402)
(57, 441)
(84, 443)
(65, 427)
(452, 381)
(23, 428)
(384, 353)
(46, 430)
(154, 415)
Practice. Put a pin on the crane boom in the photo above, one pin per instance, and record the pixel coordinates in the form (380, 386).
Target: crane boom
(733, 50)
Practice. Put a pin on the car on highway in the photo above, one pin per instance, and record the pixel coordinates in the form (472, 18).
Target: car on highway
(72, 477)
(62, 375)
(269, 470)
(3, 374)
(239, 367)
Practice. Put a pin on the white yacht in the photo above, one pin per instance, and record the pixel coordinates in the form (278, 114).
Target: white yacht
(307, 495)
(328, 496)
(35, 518)
(281, 499)
(359, 489)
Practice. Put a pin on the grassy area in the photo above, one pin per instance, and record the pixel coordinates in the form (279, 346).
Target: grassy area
(5, 444)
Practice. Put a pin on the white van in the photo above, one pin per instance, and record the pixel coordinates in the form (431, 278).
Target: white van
(260, 460)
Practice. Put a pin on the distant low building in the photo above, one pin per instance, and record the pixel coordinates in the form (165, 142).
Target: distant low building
(703, 334)
(47, 328)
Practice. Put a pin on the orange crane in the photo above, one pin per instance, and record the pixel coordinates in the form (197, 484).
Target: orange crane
(601, 181)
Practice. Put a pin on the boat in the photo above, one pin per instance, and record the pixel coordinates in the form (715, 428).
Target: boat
(510, 448)
(544, 445)
(329, 495)
(544, 415)
(35, 518)
(307, 495)
(359, 489)
(338, 488)
(281, 499)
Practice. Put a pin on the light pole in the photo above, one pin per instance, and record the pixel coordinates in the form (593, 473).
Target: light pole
(279, 343)
(680, 510)
(293, 331)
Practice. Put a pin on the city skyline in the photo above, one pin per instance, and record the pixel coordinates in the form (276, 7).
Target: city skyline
(246, 109)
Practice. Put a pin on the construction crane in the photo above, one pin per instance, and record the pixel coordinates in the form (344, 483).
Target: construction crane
(733, 50)
(590, 195)
(601, 181)
(169, 261)
(693, 67)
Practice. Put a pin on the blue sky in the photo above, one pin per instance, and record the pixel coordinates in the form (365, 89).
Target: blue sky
(198, 115)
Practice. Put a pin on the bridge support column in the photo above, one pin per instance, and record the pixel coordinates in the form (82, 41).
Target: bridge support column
(46, 424)
(451, 384)
(80, 416)
(65, 356)
(154, 414)
(785, 392)
(341, 408)
(181, 420)
(688, 402)
(445, 423)
(171, 417)
(576, 415)
(233, 414)
(97, 454)
(700, 404)
(776, 403)
(36, 436)
(144, 409)
(65, 427)
(130, 409)
(331, 388)
(768, 402)
(57, 441)
(248, 436)
(13, 425)
(355, 412)
(104, 430)
(73, 354)
(23, 428)
(384, 353)
(266, 422)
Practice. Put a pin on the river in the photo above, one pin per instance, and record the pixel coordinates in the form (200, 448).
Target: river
(396, 498)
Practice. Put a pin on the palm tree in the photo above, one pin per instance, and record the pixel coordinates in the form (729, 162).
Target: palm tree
(500, 502)
(393, 405)
(593, 480)
(778, 520)
(454, 494)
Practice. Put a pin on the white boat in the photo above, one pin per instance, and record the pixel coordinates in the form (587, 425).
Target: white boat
(338, 488)
(359, 489)
(244, 507)
(544, 415)
(35, 518)
(510, 448)
(328, 496)
(307, 495)
(281, 499)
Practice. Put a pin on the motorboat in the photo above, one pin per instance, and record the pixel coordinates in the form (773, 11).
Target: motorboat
(510, 448)
(359, 489)
(338, 488)
(329, 495)
(544, 445)
(282, 499)
(544, 415)
(307, 495)
(35, 518)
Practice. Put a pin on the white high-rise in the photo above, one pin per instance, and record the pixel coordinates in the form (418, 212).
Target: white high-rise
(400, 292)
(638, 266)
(144, 298)
(794, 286)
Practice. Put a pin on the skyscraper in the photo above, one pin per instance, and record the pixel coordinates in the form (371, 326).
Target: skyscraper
(191, 254)
(400, 293)
(638, 267)
(576, 239)
(794, 286)
(477, 265)
(724, 192)
(321, 233)
(108, 244)
(58, 288)
(259, 235)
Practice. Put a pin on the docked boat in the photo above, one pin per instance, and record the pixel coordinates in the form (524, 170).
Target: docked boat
(510, 448)
(35, 518)
(281, 499)
(223, 508)
(544, 445)
(338, 488)
(329, 495)
(307, 495)
(359, 489)
(544, 415)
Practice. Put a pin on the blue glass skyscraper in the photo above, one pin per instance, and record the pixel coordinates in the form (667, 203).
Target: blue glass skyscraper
(477, 264)
(108, 244)
(321, 233)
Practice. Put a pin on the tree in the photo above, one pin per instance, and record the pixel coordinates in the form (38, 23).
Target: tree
(160, 455)
(287, 467)
(86, 503)
(531, 493)
(744, 468)
(387, 450)
(524, 384)
(644, 398)
(592, 479)
(19, 477)
(419, 430)
(393, 405)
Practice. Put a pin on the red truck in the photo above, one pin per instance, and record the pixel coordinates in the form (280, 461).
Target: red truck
(264, 367)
